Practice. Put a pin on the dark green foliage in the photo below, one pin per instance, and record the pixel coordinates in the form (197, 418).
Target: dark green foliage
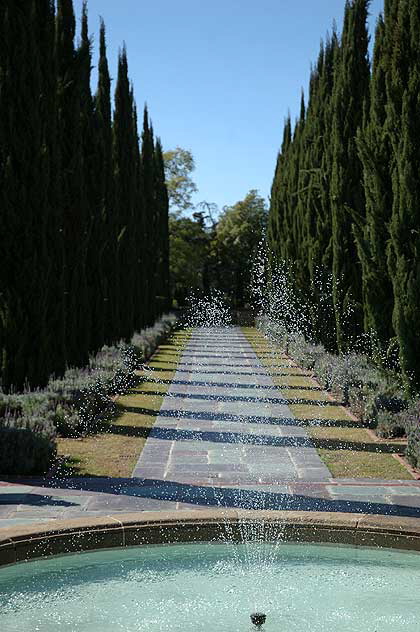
(124, 147)
(162, 232)
(372, 236)
(299, 223)
(275, 229)
(150, 220)
(93, 195)
(189, 254)
(380, 401)
(106, 219)
(75, 258)
(24, 197)
(350, 95)
(234, 245)
(403, 87)
(73, 184)
(314, 205)
(345, 205)
(54, 228)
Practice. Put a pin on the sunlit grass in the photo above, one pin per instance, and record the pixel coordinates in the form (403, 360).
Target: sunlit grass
(346, 448)
(116, 451)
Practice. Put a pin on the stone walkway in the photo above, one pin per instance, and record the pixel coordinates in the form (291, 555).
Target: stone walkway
(224, 437)
(223, 422)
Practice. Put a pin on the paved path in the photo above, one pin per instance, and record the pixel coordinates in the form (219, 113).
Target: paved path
(224, 437)
(224, 422)
(31, 501)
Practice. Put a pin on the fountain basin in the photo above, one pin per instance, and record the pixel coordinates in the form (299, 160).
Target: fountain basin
(177, 582)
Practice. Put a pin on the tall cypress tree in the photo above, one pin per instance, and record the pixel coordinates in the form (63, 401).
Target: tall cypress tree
(376, 155)
(314, 198)
(323, 231)
(92, 194)
(162, 209)
(106, 211)
(319, 200)
(140, 284)
(404, 124)
(73, 191)
(278, 201)
(273, 233)
(294, 157)
(147, 152)
(299, 198)
(125, 195)
(351, 88)
(309, 197)
(53, 282)
(76, 235)
(24, 193)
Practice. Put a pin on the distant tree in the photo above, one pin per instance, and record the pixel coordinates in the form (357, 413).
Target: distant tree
(189, 248)
(238, 233)
(179, 165)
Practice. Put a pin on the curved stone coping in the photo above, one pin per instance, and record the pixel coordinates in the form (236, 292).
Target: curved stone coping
(42, 540)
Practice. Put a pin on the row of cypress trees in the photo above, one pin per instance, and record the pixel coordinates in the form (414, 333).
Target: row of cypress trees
(345, 199)
(84, 205)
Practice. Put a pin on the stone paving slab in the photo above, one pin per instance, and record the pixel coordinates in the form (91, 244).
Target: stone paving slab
(46, 500)
(240, 430)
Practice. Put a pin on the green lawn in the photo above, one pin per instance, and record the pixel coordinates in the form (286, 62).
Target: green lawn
(115, 451)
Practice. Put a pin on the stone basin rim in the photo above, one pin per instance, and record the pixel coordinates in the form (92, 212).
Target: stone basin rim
(34, 541)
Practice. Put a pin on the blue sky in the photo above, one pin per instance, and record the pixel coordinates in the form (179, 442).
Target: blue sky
(219, 76)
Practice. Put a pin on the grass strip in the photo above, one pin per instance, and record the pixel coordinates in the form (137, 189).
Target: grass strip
(346, 448)
(115, 451)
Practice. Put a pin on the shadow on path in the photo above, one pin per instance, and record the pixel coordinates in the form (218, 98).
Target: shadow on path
(243, 398)
(250, 373)
(36, 500)
(256, 499)
(232, 385)
(241, 438)
(246, 419)
(223, 497)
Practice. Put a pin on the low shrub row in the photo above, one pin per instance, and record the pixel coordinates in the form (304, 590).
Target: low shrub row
(77, 404)
(374, 394)
(27, 445)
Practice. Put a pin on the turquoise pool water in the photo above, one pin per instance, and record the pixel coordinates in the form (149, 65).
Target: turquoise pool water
(214, 587)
